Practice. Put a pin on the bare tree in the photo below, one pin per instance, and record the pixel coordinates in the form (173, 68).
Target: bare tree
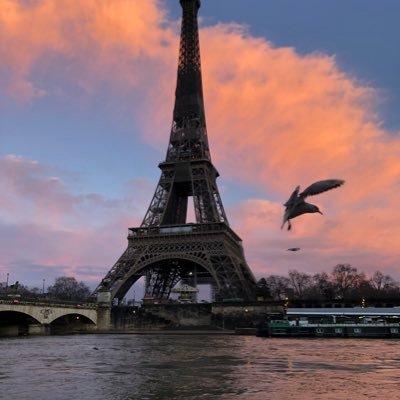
(346, 277)
(278, 286)
(67, 288)
(381, 282)
(345, 282)
(323, 284)
(300, 282)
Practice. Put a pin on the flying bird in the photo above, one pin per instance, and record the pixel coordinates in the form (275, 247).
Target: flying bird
(293, 249)
(296, 205)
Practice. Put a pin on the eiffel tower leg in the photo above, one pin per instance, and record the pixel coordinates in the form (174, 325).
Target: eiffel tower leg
(234, 279)
(160, 281)
(121, 277)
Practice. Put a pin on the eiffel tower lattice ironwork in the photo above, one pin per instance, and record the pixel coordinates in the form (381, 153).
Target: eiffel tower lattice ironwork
(166, 249)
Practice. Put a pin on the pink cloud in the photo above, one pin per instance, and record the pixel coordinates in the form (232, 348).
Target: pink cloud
(44, 223)
(324, 241)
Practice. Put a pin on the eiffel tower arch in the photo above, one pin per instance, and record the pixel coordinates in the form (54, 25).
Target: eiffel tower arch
(167, 249)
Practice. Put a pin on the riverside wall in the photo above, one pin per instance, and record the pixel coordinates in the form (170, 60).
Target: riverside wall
(193, 316)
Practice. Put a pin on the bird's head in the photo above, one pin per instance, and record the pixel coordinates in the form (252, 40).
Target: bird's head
(315, 209)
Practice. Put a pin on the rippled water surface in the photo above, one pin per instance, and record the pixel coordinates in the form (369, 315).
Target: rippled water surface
(122, 367)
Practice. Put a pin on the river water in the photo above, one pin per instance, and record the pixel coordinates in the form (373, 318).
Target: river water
(140, 367)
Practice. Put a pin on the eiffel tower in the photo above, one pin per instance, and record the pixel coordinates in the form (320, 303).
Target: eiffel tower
(167, 249)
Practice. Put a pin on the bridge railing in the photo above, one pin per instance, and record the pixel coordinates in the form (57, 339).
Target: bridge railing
(22, 300)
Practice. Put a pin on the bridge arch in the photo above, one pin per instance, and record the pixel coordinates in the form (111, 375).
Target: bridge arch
(78, 315)
(17, 323)
(16, 316)
(71, 322)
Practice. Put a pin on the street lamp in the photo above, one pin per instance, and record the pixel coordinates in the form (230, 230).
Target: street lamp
(7, 280)
(44, 281)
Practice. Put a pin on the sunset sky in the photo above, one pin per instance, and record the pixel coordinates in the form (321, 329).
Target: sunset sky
(295, 92)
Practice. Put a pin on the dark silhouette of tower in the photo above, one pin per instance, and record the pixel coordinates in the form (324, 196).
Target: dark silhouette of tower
(166, 248)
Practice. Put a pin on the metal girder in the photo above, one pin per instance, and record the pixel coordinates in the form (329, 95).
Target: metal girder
(165, 258)
(165, 246)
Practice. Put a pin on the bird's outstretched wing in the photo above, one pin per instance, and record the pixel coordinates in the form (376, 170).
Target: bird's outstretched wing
(321, 186)
(292, 197)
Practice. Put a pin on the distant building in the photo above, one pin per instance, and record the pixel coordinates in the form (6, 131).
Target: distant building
(187, 294)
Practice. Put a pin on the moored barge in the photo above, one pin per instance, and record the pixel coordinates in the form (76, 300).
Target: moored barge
(282, 328)
(354, 322)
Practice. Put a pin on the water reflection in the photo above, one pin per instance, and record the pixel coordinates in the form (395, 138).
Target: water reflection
(123, 367)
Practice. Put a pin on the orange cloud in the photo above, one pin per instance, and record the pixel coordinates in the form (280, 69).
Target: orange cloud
(93, 40)
(278, 119)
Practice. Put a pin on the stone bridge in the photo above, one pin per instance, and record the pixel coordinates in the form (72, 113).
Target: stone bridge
(18, 317)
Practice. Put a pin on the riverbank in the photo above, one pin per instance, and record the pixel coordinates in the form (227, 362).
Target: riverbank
(165, 332)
